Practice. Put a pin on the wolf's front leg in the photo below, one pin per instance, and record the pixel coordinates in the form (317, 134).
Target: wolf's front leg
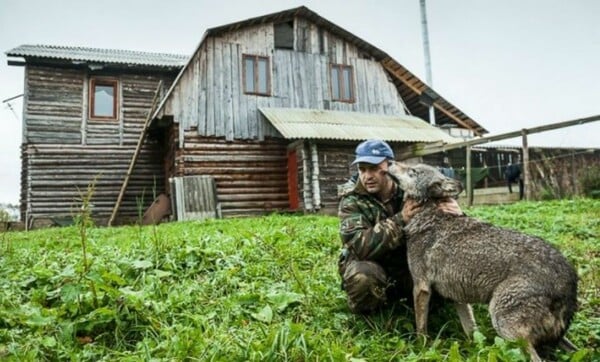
(467, 319)
(421, 295)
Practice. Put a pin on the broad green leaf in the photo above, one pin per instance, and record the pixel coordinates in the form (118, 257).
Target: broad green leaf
(115, 278)
(49, 341)
(282, 300)
(162, 274)
(70, 293)
(142, 264)
(479, 338)
(264, 315)
(36, 319)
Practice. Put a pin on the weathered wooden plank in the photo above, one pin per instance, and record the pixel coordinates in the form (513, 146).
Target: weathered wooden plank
(226, 89)
(230, 158)
(264, 196)
(202, 92)
(211, 86)
(194, 104)
(263, 205)
(240, 129)
(218, 90)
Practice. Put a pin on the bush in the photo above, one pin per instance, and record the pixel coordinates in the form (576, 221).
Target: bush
(590, 182)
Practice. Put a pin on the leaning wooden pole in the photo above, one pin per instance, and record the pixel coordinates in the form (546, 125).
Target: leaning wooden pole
(136, 153)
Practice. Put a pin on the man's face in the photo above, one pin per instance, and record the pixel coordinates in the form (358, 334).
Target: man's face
(373, 177)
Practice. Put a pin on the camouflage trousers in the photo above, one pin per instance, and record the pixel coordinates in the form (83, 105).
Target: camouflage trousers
(368, 286)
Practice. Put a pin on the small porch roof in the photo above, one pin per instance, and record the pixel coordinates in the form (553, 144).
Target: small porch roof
(295, 123)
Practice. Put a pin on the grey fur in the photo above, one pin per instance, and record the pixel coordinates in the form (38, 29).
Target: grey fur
(530, 287)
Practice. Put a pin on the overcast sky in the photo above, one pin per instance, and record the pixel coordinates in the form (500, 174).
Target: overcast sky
(508, 64)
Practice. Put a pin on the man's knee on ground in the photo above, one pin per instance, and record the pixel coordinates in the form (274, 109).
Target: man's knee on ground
(365, 283)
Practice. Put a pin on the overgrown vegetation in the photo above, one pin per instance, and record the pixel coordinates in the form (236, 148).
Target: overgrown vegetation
(257, 289)
(8, 212)
(4, 216)
(590, 182)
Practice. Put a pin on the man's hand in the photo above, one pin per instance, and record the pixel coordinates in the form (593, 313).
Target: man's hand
(410, 209)
(449, 206)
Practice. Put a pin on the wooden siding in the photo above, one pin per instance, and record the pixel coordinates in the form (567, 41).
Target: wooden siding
(64, 150)
(57, 175)
(53, 110)
(56, 109)
(209, 96)
(250, 176)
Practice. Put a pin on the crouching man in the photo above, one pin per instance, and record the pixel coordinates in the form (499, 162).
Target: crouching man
(373, 264)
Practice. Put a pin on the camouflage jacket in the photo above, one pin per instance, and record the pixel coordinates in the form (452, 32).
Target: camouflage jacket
(370, 229)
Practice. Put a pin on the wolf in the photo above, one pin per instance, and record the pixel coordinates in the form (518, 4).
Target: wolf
(529, 286)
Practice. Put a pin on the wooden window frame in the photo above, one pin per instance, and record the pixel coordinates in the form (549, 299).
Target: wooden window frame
(341, 83)
(114, 83)
(255, 59)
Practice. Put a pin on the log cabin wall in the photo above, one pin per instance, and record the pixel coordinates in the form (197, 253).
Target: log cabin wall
(64, 150)
(334, 170)
(250, 175)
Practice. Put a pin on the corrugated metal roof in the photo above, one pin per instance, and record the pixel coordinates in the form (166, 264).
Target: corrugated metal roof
(114, 56)
(294, 123)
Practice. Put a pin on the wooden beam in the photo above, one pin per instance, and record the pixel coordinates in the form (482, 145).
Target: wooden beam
(525, 168)
(428, 149)
(136, 153)
(453, 117)
(469, 178)
(418, 91)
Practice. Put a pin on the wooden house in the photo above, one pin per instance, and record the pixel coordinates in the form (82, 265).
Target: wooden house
(267, 110)
(272, 108)
(83, 111)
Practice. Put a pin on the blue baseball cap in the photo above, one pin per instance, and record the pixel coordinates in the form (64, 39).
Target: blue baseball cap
(373, 151)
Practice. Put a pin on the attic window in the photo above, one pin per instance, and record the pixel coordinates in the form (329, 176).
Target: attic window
(284, 35)
(103, 98)
(342, 84)
(257, 79)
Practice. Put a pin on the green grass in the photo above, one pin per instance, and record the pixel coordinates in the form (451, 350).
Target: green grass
(254, 289)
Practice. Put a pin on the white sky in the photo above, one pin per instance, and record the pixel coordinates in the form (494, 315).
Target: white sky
(508, 64)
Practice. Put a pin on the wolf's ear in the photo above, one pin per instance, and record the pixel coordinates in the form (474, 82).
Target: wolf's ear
(445, 187)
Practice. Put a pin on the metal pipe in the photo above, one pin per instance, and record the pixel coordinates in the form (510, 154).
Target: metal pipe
(428, 76)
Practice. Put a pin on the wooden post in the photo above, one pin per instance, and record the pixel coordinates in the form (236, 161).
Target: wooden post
(469, 178)
(573, 178)
(525, 166)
